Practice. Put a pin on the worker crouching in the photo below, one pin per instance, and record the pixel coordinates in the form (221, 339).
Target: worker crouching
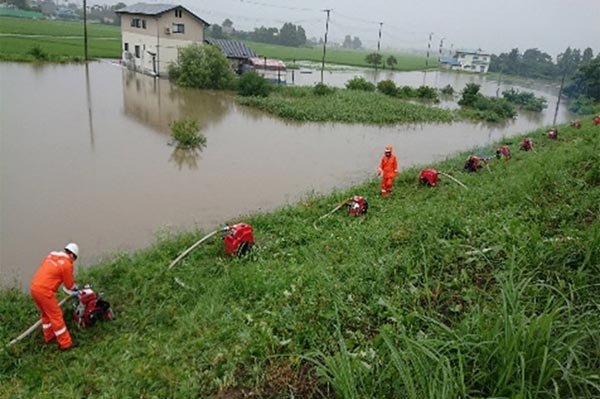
(552, 134)
(388, 169)
(597, 120)
(55, 269)
(527, 144)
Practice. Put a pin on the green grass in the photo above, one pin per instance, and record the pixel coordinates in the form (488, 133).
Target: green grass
(104, 40)
(350, 106)
(406, 62)
(445, 292)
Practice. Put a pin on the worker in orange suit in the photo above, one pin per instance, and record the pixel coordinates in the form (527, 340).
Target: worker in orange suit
(55, 269)
(388, 169)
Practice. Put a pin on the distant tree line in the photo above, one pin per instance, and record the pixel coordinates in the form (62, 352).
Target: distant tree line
(534, 63)
(288, 35)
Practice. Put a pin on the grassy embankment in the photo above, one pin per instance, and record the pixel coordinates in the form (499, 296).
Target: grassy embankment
(406, 62)
(62, 41)
(445, 292)
(342, 105)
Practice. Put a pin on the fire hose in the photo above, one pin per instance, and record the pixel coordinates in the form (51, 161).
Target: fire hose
(35, 325)
(453, 179)
(190, 249)
(331, 212)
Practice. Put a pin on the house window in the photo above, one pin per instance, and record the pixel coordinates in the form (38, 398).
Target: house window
(126, 46)
(137, 51)
(136, 23)
(144, 23)
(178, 13)
(178, 28)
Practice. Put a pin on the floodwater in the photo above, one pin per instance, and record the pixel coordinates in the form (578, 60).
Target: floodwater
(85, 156)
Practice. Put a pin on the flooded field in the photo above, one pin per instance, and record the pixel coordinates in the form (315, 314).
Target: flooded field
(85, 156)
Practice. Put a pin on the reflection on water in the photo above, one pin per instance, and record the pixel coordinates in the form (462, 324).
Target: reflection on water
(156, 102)
(89, 161)
(186, 157)
(89, 103)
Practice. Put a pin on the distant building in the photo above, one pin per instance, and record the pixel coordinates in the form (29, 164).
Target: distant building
(152, 35)
(236, 52)
(467, 60)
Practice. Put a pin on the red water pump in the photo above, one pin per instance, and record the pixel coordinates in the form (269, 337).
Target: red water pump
(597, 120)
(89, 307)
(553, 134)
(576, 124)
(429, 177)
(357, 205)
(503, 152)
(474, 163)
(238, 239)
(527, 144)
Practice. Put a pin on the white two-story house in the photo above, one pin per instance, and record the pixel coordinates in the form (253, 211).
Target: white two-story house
(473, 60)
(151, 35)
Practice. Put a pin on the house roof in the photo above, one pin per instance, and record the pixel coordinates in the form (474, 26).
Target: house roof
(154, 9)
(471, 51)
(269, 63)
(448, 60)
(233, 48)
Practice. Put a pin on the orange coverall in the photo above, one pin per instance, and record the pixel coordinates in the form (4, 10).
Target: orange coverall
(55, 269)
(388, 169)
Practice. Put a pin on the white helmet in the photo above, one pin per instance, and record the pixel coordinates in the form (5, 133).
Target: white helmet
(72, 248)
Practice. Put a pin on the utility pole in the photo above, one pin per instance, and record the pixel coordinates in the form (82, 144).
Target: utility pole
(325, 42)
(428, 50)
(441, 45)
(378, 49)
(85, 38)
(562, 83)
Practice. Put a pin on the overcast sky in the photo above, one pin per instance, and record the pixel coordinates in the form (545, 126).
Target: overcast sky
(499, 25)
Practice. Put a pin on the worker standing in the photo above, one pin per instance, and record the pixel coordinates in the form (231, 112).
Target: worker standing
(55, 269)
(388, 169)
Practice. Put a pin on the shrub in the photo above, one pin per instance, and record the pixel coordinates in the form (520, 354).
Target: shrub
(490, 109)
(427, 93)
(525, 99)
(387, 87)
(186, 133)
(252, 84)
(321, 89)
(38, 53)
(447, 90)
(360, 83)
(201, 67)
(406, 92)
(469, 94)
(584, 106)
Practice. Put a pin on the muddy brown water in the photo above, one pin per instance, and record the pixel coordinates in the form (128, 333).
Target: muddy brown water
(86, 157)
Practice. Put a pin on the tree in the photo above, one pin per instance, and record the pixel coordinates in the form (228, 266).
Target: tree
(356, 43)
(201, 67)
(374, 59)
(568, 62)
(265, 35)
(119, 6)
(586, 81)
(292, 35)
(588, 55)
(227, 23)
(347, 42)
(216, 32)
(391, 61)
